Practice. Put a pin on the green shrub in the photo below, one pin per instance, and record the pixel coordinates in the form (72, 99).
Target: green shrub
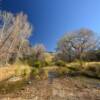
(25, 73)
(75, 68)
(38, 64)
(62, 71)
(34, 72)
(60, 63)
(48, 63)
(39, 73)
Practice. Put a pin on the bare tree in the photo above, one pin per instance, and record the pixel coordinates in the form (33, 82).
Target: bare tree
(75, 44)
(65, 51)
(39, 52)
(14, 30)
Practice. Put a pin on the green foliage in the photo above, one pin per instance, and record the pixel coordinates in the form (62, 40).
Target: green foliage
(37, 64)
(40, 64)
(60, 63)
(75, 67)
(34, 71)
(34, 63)
(48, 63)
(62, 71)
(39, 73)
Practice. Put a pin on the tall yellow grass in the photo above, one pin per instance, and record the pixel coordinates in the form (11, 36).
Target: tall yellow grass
(13, 70)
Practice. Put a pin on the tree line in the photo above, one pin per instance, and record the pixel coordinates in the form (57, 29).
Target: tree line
(15, 30)
(79, 45)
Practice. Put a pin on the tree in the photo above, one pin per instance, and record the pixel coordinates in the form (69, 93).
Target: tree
(14, 30)
(36, 58)
(76, 44)
(39, 52)
(64, 49)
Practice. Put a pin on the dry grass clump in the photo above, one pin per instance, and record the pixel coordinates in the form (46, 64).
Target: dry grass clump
(14, 70)
(92, 70)
(89, 69)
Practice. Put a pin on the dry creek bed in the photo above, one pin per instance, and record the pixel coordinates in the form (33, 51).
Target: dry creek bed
(63, 88)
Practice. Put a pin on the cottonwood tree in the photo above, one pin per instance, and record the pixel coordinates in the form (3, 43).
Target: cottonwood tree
(14, 31)
(39, 52)
(37, 56)
(75, 44)
(65, 51)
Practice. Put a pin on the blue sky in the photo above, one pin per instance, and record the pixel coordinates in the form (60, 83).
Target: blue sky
(52, 18)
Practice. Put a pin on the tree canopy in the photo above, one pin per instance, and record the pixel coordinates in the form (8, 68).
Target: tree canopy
(14, 31)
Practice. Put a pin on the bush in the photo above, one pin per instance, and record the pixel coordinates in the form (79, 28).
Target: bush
(60, 63)
(62, 71)
(48, 63)
(75, 67)
(43, 74)
(22, 70)
(25, 73)
(39, 52)
(34, 71)
(37, 64)
(39, 73)
(92, 71)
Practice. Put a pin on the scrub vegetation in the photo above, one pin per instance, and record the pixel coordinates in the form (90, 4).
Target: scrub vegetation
(21, 64)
